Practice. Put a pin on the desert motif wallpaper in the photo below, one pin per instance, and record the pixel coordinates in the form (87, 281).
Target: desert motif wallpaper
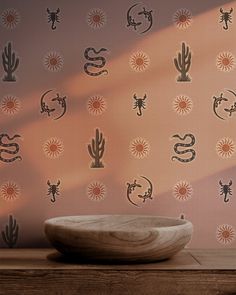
(118, 107)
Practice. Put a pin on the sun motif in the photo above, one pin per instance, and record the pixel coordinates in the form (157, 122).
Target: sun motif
(53, 61)
(53, 148)
(10, 105)
(182, 105)
(139, 148)
(96, 18)
(225, 234)
(139, 61)
(96, 105)
(96, 191)
(182, 191)
(225, 61)
(9, 191)
(10, 18)
(225, 147)
(182, 18)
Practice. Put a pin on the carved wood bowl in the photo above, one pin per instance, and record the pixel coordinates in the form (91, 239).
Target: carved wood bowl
(131, 238)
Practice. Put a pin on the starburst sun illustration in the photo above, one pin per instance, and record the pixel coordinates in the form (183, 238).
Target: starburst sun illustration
(225, 234)
(10, 105)
(139, 61)
(53, 148)
(96, 191)
(139, 148)
(96, 18)
(182, 105)
(9, 191)
(10, 18)
(96, 105)
(225, 148)
(182, 191)
(225, 61)
(182, 18)
(53, 61)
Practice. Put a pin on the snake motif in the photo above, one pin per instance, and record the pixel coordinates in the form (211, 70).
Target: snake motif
(177, 145)
(91, 64)
(2, 150)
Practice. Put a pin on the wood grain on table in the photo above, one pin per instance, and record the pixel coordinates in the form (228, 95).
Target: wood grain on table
(44, 271)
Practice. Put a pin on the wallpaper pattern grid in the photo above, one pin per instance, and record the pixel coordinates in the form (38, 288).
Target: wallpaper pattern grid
(119, 110)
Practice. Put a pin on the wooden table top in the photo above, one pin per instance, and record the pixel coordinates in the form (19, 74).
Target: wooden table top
(44, 271)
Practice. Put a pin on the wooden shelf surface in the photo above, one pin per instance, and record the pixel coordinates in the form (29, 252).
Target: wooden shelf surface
(45, 271)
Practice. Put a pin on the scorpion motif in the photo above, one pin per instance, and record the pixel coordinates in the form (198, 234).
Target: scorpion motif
(53, 17)
(15, 145)
(140, 104)
(53, 190)
(226, 17)
(225, 190)
(184, 151)
(98, 58)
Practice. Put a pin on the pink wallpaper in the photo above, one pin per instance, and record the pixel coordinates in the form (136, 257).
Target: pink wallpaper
(117, 108)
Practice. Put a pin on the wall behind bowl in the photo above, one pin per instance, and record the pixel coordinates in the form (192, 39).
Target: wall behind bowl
(161, 134)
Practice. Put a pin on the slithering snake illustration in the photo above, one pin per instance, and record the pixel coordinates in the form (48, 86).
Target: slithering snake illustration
(91, 64)
(177, 145)
(2, 150)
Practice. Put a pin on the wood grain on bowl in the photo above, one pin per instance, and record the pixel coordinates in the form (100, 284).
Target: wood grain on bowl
(118, 237)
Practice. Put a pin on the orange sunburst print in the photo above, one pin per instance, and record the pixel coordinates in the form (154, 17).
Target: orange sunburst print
(225, 61)
(96, 105)
(225, 234)
(182, 191)
(96, 18)
(53, 61)
(182, 105)
(10, 105)
(9, 191)
(225, 148)
(10, 18)
(139, 61)
(182, 18)
(139, 148)
(96, 191)
(53, 148)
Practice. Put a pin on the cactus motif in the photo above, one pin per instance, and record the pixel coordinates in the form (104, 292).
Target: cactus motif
(96, 150)
(10, 235)
(183, 63)
(10, 63)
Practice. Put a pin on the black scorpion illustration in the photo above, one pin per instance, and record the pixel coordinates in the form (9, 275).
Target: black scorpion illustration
(53, 190)
(140, 104)
(91, 64)
(225, 190)
(226, 17)
(130, 19)
(177, 145)
(9, 145)
(53, 17)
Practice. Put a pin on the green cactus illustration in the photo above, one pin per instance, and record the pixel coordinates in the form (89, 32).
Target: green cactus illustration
(183, 63)
(96, 150)
(10, 235)
(10, 63)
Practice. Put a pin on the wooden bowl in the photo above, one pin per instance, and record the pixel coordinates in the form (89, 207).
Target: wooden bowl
(136, 238)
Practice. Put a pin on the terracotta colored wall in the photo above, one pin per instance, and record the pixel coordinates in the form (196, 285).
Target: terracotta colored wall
(142, 148)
